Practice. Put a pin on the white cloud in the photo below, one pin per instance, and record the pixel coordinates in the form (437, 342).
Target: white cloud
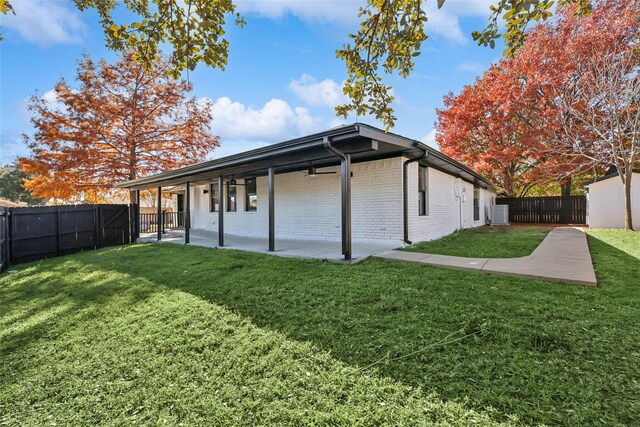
(275, 121)
(51, 98)
(430, 139)
(340, 12)
(326, 93)
(443, 22)
(471, 67)
(45, 22)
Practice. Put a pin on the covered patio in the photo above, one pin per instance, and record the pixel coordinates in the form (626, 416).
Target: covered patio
(316, 249)
(338, 148)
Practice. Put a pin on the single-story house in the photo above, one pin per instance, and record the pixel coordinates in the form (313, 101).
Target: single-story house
(606, 204)
(351, 183)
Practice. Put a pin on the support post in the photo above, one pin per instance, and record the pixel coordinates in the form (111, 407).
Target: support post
(137, 212)
(159, 219)
(134, 218)
(220, 211)
(346, 206)
(272, 218)
(345, 170)
(187, 211)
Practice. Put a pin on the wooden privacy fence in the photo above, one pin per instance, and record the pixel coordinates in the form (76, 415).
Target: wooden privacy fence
(29, 234)
(546, 210)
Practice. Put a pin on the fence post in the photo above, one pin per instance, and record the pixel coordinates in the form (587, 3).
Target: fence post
(58, 229)
(12, 247)
(4, 233)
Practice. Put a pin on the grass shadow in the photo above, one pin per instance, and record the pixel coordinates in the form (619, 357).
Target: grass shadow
(545, 352)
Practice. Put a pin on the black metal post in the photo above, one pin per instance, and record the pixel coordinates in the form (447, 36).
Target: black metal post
(220, 211)
(346, 206)
(159, 220)
(137, 213)
(187, 212)
(133, 215)
(272, 218)
(345, 169)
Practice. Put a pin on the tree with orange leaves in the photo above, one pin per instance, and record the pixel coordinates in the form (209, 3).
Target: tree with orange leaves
(124, 121)
(488, 127)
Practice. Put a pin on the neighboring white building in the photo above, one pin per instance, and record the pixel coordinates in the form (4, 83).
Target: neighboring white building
(605, 201)
(394, 189)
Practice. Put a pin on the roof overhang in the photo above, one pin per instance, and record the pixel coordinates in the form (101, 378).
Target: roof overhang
(606, 177)
(362, 142)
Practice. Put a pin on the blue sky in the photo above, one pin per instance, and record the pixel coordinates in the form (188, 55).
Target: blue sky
(283, 78)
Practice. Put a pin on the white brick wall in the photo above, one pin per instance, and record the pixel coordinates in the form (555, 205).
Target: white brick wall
(446, 212)
(309, 207)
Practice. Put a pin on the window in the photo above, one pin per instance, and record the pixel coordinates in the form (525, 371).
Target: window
(423, 191)
(231, 196)
(476, 203)
(251, 196)
(214, 201)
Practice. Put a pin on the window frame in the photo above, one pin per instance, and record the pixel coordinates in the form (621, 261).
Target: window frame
(214, 202)
(247, 195)
(476, 203)
(423, 190)
(232, 206)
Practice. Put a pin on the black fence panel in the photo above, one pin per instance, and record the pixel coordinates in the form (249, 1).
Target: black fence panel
(115, 225)
(4, 238)
(29, 234)
(546, 210)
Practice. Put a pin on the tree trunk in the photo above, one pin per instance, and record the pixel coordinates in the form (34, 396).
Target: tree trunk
(565, 187)
(628, 220)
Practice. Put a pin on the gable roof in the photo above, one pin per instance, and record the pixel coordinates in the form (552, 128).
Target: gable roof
(363, 142)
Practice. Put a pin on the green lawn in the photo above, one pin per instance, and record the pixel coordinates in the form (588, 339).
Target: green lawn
(487, 242)
(167, 334)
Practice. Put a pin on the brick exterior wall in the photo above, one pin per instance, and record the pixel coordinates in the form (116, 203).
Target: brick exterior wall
(309, 207)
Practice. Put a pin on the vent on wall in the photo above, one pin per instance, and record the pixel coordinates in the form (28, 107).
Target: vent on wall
(499, 214)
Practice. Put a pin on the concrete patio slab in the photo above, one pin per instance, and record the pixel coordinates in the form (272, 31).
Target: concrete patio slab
(563, 256)
(316, 249)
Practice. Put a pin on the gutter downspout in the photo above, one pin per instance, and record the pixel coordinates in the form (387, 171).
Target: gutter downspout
(345, 167)
(405, 193)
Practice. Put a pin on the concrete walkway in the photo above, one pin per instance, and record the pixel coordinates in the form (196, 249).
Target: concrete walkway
(563, 256)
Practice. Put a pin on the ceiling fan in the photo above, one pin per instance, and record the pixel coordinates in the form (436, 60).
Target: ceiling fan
(313, 172)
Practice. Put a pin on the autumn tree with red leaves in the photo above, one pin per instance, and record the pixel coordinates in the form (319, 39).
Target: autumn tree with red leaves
(124, 121)
(585, 72)
(566, 103)
(488, 127)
